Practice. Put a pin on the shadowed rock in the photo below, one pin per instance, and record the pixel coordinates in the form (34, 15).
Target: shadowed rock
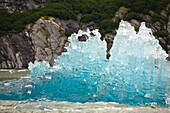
(83, 38)
(14, 6)
(92, 34)
(45, 42)
(109, 40)
(16, 51)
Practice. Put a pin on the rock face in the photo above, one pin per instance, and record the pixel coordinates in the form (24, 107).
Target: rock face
(109, 40)
(44, 40)
(16, 51)
(121, 13)
(14, 6)
(90, 25)
(135, 23)
(70, 25)
(168, 27)
(48, 38)
(83, 38)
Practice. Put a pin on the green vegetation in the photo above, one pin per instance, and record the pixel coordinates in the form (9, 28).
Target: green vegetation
(161, 34)
(107, 25)
(99, 11)
(133, 15)
(156, 18)
(16, 22)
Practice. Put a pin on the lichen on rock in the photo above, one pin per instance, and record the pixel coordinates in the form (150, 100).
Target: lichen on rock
(48, 39)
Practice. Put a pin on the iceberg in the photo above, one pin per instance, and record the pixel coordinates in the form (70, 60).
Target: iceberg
(137, 72)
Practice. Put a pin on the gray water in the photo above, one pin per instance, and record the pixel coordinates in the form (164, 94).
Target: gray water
(7, 74)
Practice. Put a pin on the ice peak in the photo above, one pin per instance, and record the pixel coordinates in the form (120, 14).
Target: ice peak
(143, 30)
(125, 28)
(143, 44)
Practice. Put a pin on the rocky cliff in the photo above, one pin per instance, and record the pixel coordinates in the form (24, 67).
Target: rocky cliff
(14, 6)
(48, 38)
(16, 51)
(44, 40)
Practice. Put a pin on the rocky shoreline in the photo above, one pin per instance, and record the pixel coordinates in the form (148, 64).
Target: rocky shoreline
(44, 40)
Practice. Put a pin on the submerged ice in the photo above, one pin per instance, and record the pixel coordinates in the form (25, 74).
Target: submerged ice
(136, 73)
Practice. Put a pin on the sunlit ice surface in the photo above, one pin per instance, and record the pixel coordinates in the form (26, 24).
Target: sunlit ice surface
(137, 72)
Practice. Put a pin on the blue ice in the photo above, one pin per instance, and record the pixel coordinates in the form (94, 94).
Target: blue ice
(137, 72)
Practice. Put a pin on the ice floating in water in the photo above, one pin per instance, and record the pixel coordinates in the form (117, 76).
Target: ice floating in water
(136, 73)
(39, 68)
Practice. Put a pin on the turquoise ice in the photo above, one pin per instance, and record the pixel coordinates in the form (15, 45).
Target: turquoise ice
(136, 73)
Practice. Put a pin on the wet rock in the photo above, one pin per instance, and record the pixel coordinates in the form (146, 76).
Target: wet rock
(92, 34)
(83, 38)
(109, 40)
(168, 58)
